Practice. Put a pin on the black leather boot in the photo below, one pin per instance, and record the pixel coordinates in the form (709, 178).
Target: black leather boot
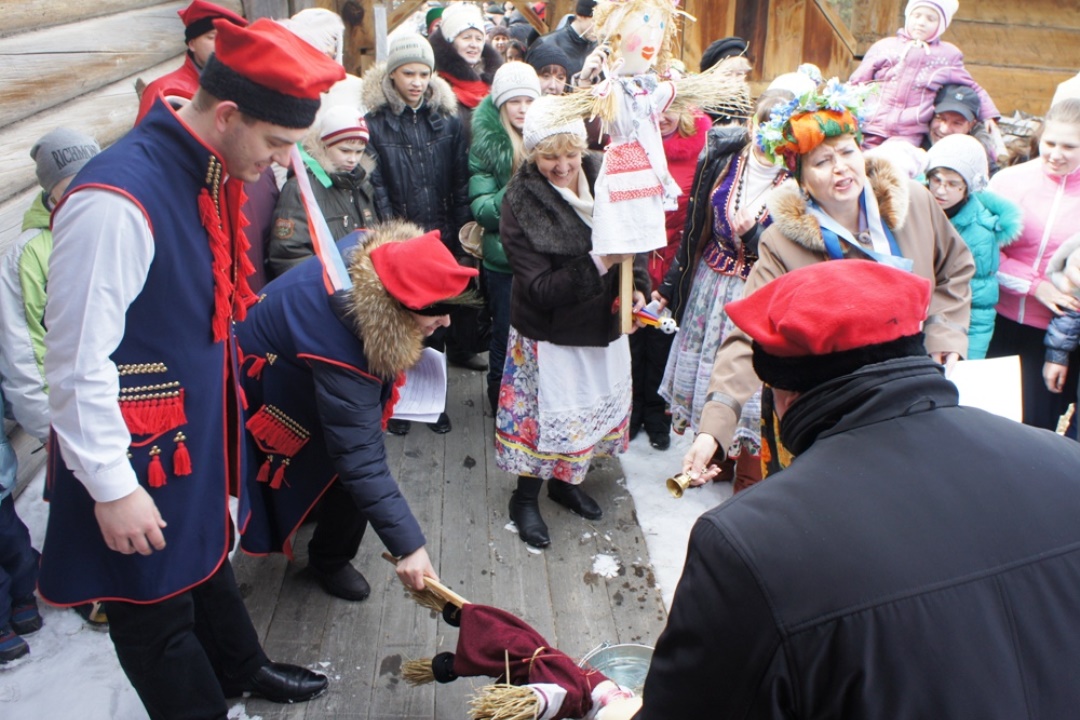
(525, 512)
(573, 498)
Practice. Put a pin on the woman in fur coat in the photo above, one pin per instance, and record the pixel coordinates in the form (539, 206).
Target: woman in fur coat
(464, 58)
(838, 204)
(565, 394)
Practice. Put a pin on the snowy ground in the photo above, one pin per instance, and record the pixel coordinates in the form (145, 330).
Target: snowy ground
(72, 671)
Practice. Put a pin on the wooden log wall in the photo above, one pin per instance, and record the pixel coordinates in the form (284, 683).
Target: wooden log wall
(74, 64)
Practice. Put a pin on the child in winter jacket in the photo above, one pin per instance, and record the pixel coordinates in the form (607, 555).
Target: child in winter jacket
(1063, 332)
(340, 170)
(957, 175)
(909, 69)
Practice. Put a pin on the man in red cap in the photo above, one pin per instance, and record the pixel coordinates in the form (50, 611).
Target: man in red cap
(917, 558)
(321, 385)
(148, 277)
(180, 85)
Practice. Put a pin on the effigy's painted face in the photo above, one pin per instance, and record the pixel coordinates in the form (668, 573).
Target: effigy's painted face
(642, 36)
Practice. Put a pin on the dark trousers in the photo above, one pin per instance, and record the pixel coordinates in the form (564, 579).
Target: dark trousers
(649, 349)
(18, 560)
(498, 301)
(339, 530)
(1042, 408)
(184, 655)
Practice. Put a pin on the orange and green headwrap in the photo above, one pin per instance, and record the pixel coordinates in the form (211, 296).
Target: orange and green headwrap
(795, 129)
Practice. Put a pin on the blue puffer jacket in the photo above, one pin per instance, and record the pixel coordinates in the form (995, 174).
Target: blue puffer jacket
(987, 223)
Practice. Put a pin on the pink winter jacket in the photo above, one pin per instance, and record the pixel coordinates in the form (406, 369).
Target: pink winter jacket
(1051, 208)
(908, 76)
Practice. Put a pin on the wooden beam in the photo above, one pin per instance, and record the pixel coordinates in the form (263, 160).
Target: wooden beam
(526, 9)
(44, 69)
(105, 114)
(871, 21)
(23, 15)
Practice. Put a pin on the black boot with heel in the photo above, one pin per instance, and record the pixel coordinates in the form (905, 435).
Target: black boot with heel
(525, 512)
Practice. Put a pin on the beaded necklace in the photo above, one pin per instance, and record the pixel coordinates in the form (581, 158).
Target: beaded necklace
(737, 198)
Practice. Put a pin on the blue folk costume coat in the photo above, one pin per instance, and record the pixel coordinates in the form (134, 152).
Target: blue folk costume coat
(177, 364)
(322, 373)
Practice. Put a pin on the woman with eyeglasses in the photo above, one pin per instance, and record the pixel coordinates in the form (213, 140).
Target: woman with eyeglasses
(957, 176)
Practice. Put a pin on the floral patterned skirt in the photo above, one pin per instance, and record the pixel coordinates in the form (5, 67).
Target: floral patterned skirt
(517, 427)
(689, 367)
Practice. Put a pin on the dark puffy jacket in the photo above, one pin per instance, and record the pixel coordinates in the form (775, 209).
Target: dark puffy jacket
(576, 47)
(491, 159)
(423, 156)
(722, 144)
(348, 203)
(917, 560)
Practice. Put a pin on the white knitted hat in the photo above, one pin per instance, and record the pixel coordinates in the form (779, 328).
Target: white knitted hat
(458, 18)
(539, 123)
(514, 79)
(409, 48)
(963, 154)
(945, 8)
(340, 123)
(322, 29)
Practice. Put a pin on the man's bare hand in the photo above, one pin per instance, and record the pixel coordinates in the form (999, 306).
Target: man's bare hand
(131, 524)
(698, 461)
(414, 567)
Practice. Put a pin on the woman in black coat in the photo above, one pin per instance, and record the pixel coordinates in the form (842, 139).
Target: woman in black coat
(565, 394)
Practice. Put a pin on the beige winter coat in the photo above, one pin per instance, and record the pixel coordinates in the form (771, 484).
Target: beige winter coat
(923, 234)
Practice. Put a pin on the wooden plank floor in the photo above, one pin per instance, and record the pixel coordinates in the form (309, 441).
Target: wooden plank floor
(460, 498)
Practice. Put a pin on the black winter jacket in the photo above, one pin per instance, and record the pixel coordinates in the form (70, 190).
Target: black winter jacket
(576, 47)
(558, 294)
(722, 144)
(348, 204)
(917, 560)
(423, 156)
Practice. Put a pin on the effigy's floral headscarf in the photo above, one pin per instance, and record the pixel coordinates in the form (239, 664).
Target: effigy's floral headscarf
(796, 128)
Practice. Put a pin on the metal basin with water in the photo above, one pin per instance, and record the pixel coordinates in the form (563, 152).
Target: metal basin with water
(626, 664)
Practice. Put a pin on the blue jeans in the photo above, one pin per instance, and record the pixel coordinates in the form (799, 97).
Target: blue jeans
(498, 299)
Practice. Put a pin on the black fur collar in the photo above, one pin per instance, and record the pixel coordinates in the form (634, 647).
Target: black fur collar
(550, 223)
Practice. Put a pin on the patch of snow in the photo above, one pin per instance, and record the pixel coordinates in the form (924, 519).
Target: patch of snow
(606, 566)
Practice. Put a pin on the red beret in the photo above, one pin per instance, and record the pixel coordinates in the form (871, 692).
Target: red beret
(269, 72)
(199, 15)
(833, 306)
(420, 272)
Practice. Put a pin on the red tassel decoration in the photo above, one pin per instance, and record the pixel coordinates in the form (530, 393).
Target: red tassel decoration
(156, 471)
(181, 459)
(256, 368)
(279, 475)
(220, 250)
(264, 470)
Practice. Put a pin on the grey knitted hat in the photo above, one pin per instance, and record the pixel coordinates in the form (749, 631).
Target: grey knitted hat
(409, 49)
(514, 79)
(963, 154)
(60, 154)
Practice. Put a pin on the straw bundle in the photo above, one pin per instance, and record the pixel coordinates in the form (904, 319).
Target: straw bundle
(502, 701)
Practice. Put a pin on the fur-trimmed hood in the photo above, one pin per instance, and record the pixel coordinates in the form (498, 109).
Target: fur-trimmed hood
(449, 62)
(787, 204)
(554, 227)
(392, 339)
(379, 93)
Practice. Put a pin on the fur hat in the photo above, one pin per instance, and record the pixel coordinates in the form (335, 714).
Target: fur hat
(829, 319)
(60, 154)
(513, 80)
(584, 8)
(945, 10)
(199, 16)
(341, 123)
(410, 48)
(963, 154)
(270, 73)
(458, 18)
(539, 123)
(421, 273)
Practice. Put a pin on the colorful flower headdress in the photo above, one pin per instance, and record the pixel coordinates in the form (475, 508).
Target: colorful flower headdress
(801, 125)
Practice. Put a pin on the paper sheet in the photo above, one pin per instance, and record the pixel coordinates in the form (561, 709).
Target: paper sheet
(992, 385)
(423, 396)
